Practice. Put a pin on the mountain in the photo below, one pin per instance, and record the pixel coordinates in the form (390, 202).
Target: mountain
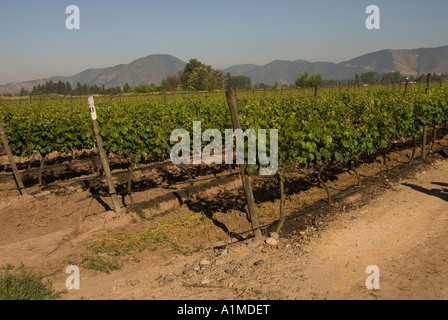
(154, 68)
(151, 69)
(240, 69)
(286, 72)
(408, 62)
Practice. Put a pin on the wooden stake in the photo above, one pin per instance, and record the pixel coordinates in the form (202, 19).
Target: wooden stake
(103, 156)
(424, 139)
(406, 87)
(17, 176)
(41, 169)
(244, 177)
(425, 128)
(428, 81)
(282, 218)
(340, 92)
(130, 171)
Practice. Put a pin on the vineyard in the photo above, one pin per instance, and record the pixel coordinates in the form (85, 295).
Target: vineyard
(317, 130)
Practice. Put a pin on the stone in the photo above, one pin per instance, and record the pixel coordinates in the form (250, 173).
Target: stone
(205, 267)
(163, 282)
(271, 241)
(205, 281)
(219, 262)
(252, 245)
(259, 262)
(274, 235)
(189, 271)
(170, 277)
(204, 262)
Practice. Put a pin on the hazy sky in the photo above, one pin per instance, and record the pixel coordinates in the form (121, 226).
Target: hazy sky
(35, 43)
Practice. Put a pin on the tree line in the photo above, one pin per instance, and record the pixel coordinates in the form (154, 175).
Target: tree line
(65, 88)
(197, 76)
(367, 78)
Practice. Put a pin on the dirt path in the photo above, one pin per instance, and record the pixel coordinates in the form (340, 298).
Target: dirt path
(402, 231)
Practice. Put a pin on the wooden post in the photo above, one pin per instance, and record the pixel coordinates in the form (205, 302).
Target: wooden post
(424, 139)
(425, 128)
(340, 91)
(281, 219)
(17, 176)
(406, 87)
(103, 156)
(244, 177)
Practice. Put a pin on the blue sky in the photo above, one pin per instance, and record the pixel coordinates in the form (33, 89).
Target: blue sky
(34, 42)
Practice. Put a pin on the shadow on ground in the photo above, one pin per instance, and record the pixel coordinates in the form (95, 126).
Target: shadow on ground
(436, 192)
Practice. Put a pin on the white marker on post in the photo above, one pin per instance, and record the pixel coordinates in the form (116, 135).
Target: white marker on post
(92, 108)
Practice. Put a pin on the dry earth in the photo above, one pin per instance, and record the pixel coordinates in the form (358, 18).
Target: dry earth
(397, 222)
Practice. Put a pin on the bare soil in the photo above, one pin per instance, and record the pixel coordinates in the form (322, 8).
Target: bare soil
(395, 220)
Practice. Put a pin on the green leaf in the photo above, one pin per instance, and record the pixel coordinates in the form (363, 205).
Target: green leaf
(251, 168)
(114, 135)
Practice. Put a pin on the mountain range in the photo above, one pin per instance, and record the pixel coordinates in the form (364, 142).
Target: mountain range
(154, 68)
(408, 62)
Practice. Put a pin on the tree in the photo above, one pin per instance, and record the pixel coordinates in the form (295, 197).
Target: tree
(126, 88)
(261, 85)
(78, 90)
(391, 77)
(68, 87)
(305, 81)
(24, 92)
(242, 82)
(60, 88)
(198, 76)
(371, 77)
(144, 88)
(171, 83)
(85, 89)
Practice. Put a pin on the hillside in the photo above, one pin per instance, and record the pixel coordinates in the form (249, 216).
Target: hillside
(285, 72)
(240, 69)
(151, 69)
(410, 62)
(154, 68)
